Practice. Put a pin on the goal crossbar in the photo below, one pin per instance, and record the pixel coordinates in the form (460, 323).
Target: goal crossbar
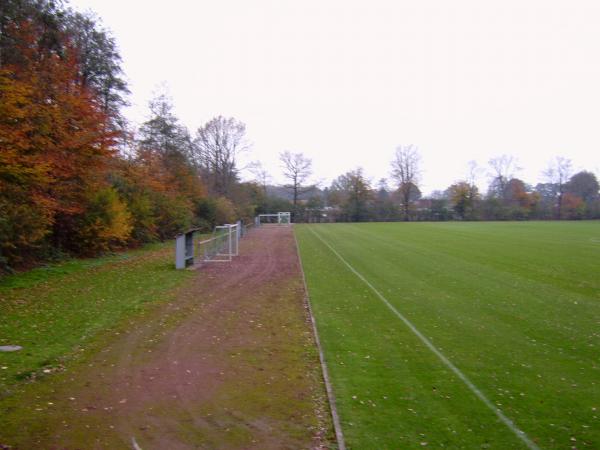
(222, 246)
(280, 218)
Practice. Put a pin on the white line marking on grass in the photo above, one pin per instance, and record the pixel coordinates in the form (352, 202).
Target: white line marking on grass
(508, 422)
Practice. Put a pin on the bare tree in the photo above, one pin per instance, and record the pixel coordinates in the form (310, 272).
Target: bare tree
(558, 173)
(405, 171)
(217, 145)
(474, 171)
(296, 168)
(261, 175)
(503, 169)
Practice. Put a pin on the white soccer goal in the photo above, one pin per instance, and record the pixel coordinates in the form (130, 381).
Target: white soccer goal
(222, 246)
(280, 218)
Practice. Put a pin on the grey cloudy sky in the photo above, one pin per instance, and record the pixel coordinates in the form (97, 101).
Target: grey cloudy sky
(345, 82)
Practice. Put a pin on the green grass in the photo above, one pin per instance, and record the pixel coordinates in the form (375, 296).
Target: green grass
(58, 312)
(515, 306)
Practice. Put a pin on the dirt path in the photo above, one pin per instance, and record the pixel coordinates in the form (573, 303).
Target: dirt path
(231, 363)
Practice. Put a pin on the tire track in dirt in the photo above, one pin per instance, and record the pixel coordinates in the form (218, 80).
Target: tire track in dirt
(231, 283)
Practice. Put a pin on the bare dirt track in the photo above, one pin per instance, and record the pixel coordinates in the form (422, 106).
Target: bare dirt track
(229, 364)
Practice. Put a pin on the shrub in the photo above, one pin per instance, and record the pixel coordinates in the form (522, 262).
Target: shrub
(106, 224)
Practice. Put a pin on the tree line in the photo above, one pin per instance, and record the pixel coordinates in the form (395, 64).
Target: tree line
(352, 197)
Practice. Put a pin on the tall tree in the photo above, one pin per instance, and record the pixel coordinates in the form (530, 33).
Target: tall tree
(99, 61)
(584, 185)
(382, 190)
(355, 194)
(217, 146)
(296, 169)
(502, 169)
(573, 207)
(463, 197)
(54, 126)
(558, 173)
(58, 29)
(405, 171)
(519, 199)
(27, 210)
(165, 157)
(474, 171)
(162, 133)
(546, 193)
(42, 18)
(261, 175)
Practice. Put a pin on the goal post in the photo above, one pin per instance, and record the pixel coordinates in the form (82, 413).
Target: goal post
(280, 218)
(284, 218)
(222, 246)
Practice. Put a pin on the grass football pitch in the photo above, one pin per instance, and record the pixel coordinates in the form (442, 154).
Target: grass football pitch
(459, 335)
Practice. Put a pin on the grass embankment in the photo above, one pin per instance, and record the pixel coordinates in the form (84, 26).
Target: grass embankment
(515, 306)
(58, 313)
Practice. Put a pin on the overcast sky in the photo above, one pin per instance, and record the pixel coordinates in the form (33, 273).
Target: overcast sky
(345, 82)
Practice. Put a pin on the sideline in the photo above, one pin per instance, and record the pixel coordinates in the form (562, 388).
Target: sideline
(504, 419)
(337, 427)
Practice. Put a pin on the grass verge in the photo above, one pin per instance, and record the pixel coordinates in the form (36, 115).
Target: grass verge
(56, 313)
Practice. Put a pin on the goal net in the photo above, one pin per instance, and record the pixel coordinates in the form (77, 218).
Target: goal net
(223, 245)
(280, 218)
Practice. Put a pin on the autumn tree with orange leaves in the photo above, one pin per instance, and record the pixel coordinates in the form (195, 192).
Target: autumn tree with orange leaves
(55, 145)
(65, 186)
